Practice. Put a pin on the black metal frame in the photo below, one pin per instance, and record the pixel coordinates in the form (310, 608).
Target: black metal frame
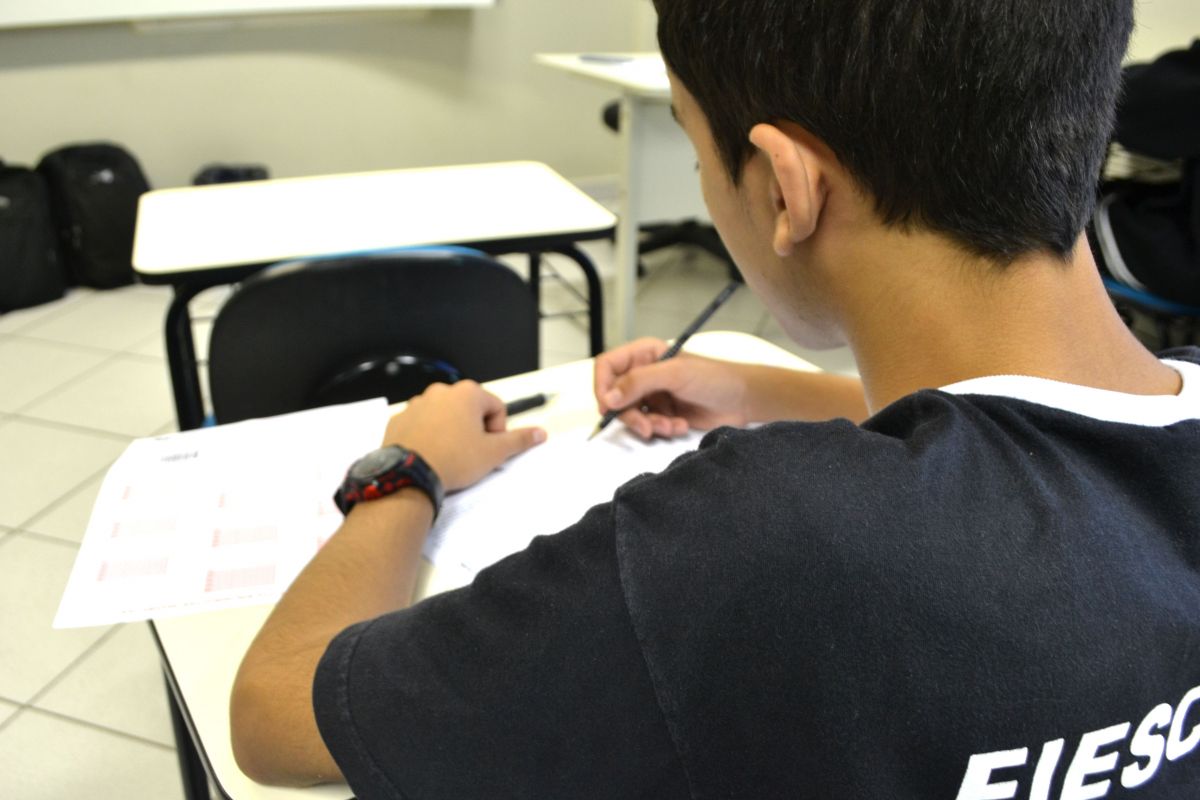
(181, 347)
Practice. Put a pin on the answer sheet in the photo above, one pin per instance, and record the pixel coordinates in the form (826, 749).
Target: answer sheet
(227, 517)
(541, 492)
(217, 517)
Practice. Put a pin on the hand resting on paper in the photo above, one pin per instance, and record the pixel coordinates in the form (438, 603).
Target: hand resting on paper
(461, 431)
(667, 398)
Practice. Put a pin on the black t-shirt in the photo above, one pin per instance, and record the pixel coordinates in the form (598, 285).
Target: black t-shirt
(966, 597)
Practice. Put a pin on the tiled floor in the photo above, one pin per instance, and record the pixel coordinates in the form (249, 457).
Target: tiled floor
(83, 712)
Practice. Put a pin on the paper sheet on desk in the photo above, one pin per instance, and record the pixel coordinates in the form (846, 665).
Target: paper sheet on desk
(215, 518)
(543, 491)
(649, 70)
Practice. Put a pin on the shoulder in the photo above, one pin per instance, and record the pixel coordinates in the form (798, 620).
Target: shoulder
(934, 484)
(750, 472)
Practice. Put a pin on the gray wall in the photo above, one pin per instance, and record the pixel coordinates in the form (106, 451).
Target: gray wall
(1164, 25)
(331, 95)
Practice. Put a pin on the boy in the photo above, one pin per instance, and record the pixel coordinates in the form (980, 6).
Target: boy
(987, 590)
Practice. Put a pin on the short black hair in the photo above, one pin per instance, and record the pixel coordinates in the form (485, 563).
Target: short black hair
(984, 120)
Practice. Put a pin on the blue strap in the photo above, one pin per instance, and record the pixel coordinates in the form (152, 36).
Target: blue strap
(442, 248)
(1150, 301)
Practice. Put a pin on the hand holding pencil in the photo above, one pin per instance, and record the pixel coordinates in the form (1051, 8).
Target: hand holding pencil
(655, 393)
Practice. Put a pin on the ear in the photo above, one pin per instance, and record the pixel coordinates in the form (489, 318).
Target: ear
(797, 189)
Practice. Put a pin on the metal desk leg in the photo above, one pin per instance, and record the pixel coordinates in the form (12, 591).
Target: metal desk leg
(535, 278)
(595, 296)
(191, 769)
(181, 357)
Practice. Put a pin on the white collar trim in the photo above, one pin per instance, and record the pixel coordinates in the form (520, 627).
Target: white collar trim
(1148, 410)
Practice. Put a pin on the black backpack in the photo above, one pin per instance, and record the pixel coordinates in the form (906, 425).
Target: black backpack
(30, 270)
(230, 173)
(94, 191)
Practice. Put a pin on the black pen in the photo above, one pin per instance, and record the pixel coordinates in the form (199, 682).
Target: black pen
(674, 349)
(527, 403)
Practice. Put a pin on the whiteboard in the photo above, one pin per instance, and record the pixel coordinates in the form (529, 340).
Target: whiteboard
(33, 13)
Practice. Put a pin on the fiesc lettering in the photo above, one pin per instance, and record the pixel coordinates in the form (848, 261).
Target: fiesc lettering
(1166, 734)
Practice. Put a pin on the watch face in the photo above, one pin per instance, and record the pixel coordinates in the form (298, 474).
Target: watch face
(375, 462)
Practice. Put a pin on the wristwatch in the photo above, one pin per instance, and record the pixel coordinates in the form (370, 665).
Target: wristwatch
(386, 471)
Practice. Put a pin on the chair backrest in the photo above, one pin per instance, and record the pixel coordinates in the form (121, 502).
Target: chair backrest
(311, 333)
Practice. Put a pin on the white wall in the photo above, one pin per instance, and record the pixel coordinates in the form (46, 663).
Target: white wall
(305, 97)
(645, 23)
(1164, 25)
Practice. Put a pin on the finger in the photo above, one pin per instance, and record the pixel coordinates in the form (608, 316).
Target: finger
(666, 427)
(495, 417)
(639, 422)
(680, 427)
(507, 444)
(489, 407)
(609, 366)
(634, 386)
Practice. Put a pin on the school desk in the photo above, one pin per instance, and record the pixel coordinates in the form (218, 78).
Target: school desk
(194, 238)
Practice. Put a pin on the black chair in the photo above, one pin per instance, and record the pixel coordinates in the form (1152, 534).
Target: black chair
(318, 332)
(687, 232)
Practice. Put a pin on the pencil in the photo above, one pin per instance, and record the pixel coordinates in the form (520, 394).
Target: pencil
(674, 349)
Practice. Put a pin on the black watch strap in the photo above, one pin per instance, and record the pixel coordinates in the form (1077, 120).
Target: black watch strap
(386, 471)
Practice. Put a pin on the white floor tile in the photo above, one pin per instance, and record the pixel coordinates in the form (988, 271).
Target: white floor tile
(669, 324)
(152, 347)
(554, 359)
(559, 296)
(118, 685)
(603, 253)
(42, 463)
(565, 335)
(117, 320)
(208, 302)
(13, 321)
(202, 309)
(162, 293)
(156, 345)
(7, 709)
(33, 574)
(685, 290)
(31, 368)
(45, 757)
(170, 427)
(67, 519)
(129, 395)
(201, 333)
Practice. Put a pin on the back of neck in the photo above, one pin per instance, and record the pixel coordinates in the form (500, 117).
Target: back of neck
(952, 319)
